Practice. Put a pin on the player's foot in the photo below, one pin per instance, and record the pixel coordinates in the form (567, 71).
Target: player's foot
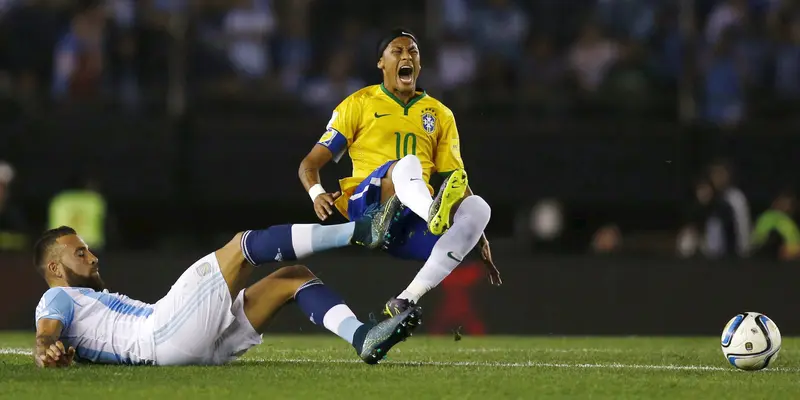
(396, 306)
(383, 336)
(451, 192)
(372, 230)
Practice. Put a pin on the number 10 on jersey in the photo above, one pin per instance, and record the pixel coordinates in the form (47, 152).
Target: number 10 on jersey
(408, 138)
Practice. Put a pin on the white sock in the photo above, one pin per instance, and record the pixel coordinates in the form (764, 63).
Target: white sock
(341, 321)
(468, 225)
(308, 239)
(410, 186)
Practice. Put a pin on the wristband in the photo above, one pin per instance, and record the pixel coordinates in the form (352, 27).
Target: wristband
(315, 191)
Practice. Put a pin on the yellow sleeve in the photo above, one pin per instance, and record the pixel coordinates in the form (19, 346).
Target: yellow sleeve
(342, 127)
(448, 148)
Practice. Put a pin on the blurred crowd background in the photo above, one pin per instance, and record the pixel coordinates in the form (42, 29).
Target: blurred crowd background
(718, 63)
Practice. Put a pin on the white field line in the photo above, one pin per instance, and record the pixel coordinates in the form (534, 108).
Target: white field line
(464, 350)
(526, 364)
(16, 352)
(21, 351)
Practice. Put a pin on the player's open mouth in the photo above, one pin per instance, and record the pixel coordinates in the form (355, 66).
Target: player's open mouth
(406, 74)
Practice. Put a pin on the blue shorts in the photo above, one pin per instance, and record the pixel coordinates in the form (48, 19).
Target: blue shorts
(411, 239)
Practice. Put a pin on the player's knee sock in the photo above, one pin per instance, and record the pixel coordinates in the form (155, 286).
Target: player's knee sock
(290, 242)
(468, 225)
(326, 308)
(410, 186)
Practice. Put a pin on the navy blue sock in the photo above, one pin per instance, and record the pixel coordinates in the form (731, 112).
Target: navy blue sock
(268, 245)
(291, 242)
(324, 307)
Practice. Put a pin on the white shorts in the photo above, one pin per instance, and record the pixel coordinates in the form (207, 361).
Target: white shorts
(197, 323)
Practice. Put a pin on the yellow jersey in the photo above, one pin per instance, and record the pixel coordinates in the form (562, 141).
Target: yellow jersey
(375, 127)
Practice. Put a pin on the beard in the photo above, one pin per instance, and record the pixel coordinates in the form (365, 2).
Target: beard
(93, 281)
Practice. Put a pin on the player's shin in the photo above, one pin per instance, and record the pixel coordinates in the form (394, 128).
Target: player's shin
(291, 242)
(469, 223)
(410, 187)
(324, 307)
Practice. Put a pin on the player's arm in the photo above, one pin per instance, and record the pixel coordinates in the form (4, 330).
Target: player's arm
(49, 351)
(332, 145)
(309, 176)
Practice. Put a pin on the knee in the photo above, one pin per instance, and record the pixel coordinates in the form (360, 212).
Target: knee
(410, 159)
(237, 240)
(232, 251)
(477, 209)
(407, 168)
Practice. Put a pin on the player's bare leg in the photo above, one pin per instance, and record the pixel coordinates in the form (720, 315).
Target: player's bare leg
(236, 270)
(263, 300)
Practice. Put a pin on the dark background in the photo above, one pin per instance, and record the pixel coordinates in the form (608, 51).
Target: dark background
(192, 117)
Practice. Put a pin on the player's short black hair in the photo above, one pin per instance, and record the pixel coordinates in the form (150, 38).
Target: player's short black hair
(392, 35)
(45, 242)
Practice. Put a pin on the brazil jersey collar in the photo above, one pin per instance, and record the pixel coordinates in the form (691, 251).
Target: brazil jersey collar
(400, 102)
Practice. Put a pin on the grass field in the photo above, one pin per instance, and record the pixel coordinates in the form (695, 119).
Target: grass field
(318, 367)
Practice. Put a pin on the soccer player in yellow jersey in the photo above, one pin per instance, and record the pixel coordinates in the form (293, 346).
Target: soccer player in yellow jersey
(397, 136)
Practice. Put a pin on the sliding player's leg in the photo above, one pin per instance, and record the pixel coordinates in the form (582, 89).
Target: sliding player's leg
(199, 304)
(287, 243)
(258, 304)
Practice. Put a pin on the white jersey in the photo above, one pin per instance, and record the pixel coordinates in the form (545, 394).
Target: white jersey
(107, 328)
(196, 323)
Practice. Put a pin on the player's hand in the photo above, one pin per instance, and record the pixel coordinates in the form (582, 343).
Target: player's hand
(55, 356)
(323, 204)
(486, 255)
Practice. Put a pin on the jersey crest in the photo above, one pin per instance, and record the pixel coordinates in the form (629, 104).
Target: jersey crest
(429, 120)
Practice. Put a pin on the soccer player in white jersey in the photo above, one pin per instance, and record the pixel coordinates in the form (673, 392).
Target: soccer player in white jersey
(208, 317)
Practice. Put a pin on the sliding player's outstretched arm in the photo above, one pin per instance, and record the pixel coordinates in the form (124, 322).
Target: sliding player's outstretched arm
(49, 351)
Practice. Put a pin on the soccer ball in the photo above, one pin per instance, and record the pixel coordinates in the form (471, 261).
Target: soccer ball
(751, 341)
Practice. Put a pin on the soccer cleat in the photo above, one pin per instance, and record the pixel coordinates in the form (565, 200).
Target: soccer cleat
(372, 230)
(396, 306)
(383, 336)
(451, 192)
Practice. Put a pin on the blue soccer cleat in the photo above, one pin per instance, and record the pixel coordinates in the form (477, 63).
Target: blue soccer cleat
(385, 335)
(397, 306)
(372, 230)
